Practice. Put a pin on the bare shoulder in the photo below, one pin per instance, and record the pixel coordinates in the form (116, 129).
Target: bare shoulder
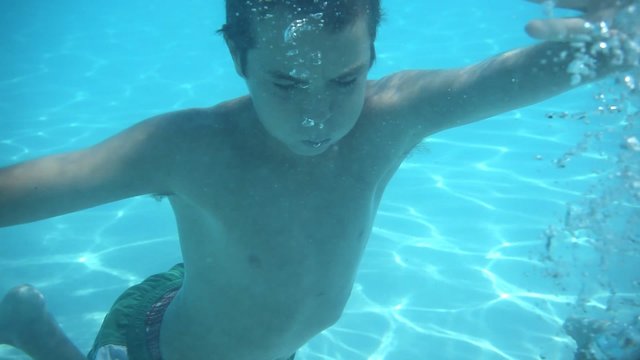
(189, 122)
(188, 129)
(403, 108)
(397, 93)
(152, 155)
(194, 144)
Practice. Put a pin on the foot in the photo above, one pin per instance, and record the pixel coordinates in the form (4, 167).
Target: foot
(26, 324)
(23, 315)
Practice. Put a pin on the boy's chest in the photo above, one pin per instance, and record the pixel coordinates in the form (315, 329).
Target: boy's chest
(327, 201)
(287, 237)
(300, 212)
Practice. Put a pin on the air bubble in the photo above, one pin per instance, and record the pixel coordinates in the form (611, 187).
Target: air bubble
(632, 143)
(316, 58)
(299, 73)
(292, 32)
(298, 26)
(582, 65)
(308, 122)
(630, 82)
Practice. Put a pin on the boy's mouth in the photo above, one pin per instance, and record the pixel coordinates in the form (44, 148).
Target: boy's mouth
(316, 144)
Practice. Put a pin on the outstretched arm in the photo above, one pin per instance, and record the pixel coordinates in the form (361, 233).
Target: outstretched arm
(424, 102)
(134, 162)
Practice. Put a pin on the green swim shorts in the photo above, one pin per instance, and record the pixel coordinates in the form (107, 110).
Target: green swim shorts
(131, 329)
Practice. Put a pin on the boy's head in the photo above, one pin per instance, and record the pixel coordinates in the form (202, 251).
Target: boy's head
(305, 63)
(242, 15)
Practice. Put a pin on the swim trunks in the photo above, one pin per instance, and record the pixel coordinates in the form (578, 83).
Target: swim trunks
(131, 329)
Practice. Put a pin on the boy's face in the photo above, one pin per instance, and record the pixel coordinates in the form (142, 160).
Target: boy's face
(308, 84)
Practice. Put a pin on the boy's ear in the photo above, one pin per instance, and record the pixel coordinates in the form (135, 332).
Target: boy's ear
(235, 56)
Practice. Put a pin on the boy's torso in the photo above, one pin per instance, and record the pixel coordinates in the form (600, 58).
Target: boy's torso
(270, 243)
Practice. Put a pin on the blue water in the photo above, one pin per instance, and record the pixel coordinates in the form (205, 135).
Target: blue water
(457, 266)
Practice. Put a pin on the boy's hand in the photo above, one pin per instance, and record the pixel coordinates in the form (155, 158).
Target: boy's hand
(621, 14)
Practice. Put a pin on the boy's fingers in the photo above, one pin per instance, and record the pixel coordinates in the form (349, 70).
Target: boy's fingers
(580, 5)
(559, 29)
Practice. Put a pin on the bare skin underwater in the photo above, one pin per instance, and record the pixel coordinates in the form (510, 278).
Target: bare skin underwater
(320, 125)
(26, 324)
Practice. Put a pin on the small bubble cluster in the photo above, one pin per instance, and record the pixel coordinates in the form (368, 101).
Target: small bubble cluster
(600, 230)
(302, 61)
(618, 41)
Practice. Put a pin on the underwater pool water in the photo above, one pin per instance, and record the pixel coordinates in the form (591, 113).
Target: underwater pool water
(487, 239)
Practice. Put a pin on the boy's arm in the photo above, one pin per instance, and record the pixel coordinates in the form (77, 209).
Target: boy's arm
(419, 103)
(131, 163)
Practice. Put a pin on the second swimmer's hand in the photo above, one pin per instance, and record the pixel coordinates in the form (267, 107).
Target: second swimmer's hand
(593, 15)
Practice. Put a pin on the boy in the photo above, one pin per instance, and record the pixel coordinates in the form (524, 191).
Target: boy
(314, 145)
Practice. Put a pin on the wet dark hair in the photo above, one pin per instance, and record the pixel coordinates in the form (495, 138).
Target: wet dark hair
(239, 29)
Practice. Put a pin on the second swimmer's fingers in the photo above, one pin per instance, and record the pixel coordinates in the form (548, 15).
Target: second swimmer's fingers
(559, 29)
(580, 5)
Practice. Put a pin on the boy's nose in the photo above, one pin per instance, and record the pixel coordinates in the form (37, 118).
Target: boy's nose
(315, 117)
(316, 110)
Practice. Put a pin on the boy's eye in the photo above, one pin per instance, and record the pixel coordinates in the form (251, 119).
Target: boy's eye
(289, 86)
(346, 82)
(284, 86)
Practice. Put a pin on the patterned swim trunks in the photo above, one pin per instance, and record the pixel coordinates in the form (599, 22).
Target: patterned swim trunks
(131, 329)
